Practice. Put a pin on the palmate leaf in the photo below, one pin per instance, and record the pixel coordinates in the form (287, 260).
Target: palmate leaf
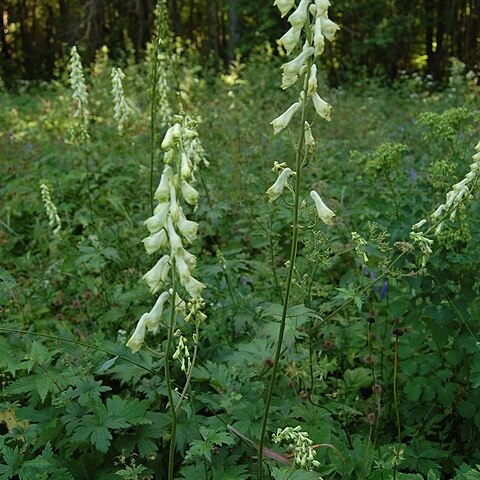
(211, 438)
(40, 383)
(117, 414)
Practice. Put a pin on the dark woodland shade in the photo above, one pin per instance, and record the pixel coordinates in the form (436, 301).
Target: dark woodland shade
(377, 36)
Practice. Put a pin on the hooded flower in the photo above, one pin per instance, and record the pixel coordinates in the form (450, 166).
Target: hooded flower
(157, 221)
(284, 119)
(300, 15)
(284, 6)
(163, 190)
(169, 227)
(136, 340)
(193, 286)
(291, 38)
(189, 193)
(155, 242)
(321, 106)
(325, 214)
(318, 38)
(157, 275)
(155, 315)
(277, 188)
(329, 28)
(321, 7)
(172, 136)
(291, 70)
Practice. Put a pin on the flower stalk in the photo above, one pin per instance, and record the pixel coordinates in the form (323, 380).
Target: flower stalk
(309, 16)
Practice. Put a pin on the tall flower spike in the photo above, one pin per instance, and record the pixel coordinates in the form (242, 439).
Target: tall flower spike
(310, 28)
(161, 58)
(79, 132)
(169, 227)
(50, 208)
(121, 108)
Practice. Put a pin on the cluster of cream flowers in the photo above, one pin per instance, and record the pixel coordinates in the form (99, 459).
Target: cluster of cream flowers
(50, 208)
(459, 192)
(161, 65)
(170, 229)
(310, 26)
(79, 133)
(300, 443)
(121, 108)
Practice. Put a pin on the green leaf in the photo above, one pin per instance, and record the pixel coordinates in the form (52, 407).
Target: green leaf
(101, 438)
(106, 365)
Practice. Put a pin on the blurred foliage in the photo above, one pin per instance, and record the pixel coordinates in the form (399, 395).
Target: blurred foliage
(76, 401)
(378, 37)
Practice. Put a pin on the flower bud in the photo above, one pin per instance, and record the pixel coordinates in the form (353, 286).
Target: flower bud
(419, 224)
(318, 38)
(309, 140)
(325, 214)
(312, 80)
(438, 211)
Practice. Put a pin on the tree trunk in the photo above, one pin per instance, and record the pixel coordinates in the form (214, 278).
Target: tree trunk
(233, 29)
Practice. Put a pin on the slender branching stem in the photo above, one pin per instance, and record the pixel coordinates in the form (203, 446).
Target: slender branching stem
(87, 173)
(288, 285)
(395, 402)
(170, 388)
(190, 370)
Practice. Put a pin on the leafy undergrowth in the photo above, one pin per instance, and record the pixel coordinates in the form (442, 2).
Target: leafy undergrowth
(76, 403)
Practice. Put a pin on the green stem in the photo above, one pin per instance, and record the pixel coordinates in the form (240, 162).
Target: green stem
(190, 370)
(394, 196)
(395, 401)
(89, 191)
(291, 269)
(82, 344)
(173, 412)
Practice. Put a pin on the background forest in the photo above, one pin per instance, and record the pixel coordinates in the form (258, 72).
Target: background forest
(378, 37)
(318, 320)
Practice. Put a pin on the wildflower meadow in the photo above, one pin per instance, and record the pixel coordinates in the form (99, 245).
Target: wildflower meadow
(263, 269)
